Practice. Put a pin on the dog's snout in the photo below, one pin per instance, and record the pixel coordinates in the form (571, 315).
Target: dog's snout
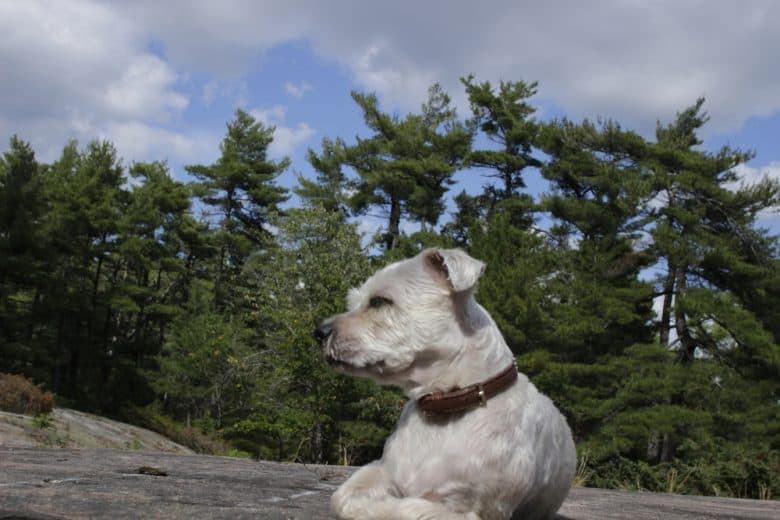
(322, 332)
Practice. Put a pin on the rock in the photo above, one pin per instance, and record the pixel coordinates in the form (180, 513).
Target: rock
(38, 483)
(73, 429)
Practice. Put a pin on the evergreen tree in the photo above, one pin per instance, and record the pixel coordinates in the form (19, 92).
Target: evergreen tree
(207, 368)
(514, 286)
(22, 254)
(88, 200)
(241, 188)
(599, 195)
(331, 190)
(149, 278)
(407, 165)
(714, 255)
(302, 409)
(470, 217)
(591, 304)
(504, 116)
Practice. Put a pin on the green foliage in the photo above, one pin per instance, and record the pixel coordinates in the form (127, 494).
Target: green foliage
(115, 296)
(241, 190)
(43, 421)
(151, 416)
(741, 473)
(706, 234)
(207, 369)
(407, 164)
(104, 277)
(514, 286)
(332, 188)
(505, 117)
(300, 411)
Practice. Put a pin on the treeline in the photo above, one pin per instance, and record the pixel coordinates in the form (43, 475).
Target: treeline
(637, 291)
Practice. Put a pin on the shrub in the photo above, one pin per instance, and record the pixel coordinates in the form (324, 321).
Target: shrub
(149, 417)
(740, 472)
(20, 395)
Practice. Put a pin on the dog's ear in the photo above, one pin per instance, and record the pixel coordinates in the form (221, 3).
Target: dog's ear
(456, 267)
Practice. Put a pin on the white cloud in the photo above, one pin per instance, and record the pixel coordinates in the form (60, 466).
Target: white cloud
(368, 227)
(286, 138)
(297, 91)
(635, 61)
(80, 69)
(71, 62)
(144, 91)
(751, 175)
(270, 116)
(136, 139)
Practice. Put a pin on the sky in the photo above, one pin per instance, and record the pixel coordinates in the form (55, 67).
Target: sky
(160, 79)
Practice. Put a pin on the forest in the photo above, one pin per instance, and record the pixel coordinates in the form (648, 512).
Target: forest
(638, 291)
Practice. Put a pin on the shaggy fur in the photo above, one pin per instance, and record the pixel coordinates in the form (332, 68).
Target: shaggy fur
(416, 324)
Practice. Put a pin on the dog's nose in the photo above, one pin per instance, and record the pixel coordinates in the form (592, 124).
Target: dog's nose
(322, 332)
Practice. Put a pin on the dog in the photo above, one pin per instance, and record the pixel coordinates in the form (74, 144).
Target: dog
(476, 439)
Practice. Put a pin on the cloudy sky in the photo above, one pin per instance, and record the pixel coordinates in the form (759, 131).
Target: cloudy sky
(161, 78)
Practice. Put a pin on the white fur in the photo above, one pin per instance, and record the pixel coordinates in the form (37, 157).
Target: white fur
(514, 455)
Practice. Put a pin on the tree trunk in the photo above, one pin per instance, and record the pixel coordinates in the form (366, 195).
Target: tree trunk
(687, 343)
(218, 278)
(508, 191)
(223, 250)
(394, 225)
(667, 448)
(652, 446)
(666, 309)
(98, 269)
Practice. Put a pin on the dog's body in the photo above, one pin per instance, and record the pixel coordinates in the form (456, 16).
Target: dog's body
(416, 324)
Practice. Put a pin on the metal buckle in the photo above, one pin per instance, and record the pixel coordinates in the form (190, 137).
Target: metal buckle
(482, 396)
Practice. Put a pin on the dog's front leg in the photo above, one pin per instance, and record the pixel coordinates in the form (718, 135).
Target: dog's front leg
(356, 497)
(369, 494)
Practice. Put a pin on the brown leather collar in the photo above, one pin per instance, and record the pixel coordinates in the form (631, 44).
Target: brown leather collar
(461, 399)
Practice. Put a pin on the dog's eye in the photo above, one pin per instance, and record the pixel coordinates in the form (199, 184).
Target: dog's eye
(379, 301)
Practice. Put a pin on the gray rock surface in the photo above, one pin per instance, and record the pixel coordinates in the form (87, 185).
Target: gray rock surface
(40, 483)
(74, 429)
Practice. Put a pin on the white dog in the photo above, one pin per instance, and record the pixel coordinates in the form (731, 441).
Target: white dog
(476, 439)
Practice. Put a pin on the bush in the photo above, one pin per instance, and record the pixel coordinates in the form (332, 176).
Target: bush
(20, 395)
(150, 418)
(739, 473)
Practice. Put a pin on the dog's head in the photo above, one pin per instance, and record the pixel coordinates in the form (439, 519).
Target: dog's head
(407, 316)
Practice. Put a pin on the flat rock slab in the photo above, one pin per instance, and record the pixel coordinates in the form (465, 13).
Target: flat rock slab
(74, 429)
(38, 483)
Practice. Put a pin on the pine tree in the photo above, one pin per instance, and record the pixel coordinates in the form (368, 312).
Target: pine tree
(569, 299)
(148, 280)
(207, 368)
(88, 200)
(715, 256)
(331, 190)
(514, 286)
(407, 164)
(599, 195)
(504, 117)
(241, 188)
(470, 217)
(22, 260)
(299, 408)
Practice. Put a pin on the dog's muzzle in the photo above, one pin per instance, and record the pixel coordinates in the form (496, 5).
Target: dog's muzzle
(322, 332)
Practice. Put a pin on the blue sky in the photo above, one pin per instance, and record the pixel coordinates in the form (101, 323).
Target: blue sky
(161, 79)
